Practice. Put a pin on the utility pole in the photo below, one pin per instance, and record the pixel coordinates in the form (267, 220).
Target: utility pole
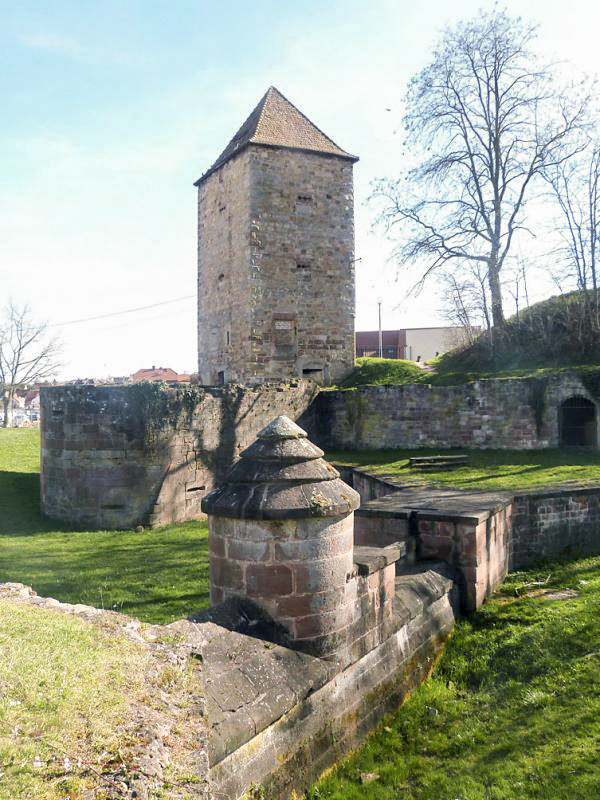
(379, 301)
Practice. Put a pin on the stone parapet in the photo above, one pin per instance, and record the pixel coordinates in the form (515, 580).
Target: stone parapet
(292, 716)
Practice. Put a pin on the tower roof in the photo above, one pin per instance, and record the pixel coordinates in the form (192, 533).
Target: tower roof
(275, 122)
(282, 475)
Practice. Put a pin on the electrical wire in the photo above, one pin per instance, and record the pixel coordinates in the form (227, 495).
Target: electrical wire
(118, 313)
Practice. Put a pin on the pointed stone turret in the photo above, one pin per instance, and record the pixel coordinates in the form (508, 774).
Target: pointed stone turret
(282, 476)
(275, 122)
(281, 532)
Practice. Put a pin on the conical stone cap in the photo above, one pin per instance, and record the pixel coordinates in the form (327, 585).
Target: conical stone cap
(282, 475)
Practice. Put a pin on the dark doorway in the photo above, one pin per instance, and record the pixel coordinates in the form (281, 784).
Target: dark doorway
(578, 423)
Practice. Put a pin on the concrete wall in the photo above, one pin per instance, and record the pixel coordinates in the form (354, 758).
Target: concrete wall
(276, 267)
(499, 413)
(145, 454)
(427, 342)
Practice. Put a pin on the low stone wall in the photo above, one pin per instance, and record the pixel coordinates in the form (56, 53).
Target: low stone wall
(514, 531)
(146, 454)
(554, 523)
(289, 715)
(496, 413)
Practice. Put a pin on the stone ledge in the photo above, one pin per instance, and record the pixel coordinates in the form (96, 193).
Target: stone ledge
(249, 682)
(373, 559)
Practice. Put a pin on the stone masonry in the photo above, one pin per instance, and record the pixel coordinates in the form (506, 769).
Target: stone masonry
(517, 413)
(281, 532)
(276, 253)
(146, 454)
(340, 631)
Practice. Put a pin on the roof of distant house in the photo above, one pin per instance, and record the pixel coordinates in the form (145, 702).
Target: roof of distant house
(275, 122)
(31, 395)
(159, 374)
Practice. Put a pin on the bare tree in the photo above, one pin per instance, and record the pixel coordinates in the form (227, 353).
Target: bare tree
(483, 120)
(576, 187)
(27, 354)
(465, 295)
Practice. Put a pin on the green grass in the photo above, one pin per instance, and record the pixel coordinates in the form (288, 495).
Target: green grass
(64, 689)
(382, 371)
(157, 576)
(512, 711)
(510, 470)
(450, 371)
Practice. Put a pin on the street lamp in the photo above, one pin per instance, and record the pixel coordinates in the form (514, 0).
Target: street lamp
(379, 302)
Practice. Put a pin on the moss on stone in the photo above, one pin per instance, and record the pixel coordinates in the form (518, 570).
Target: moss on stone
(537, 401)
(159, 406)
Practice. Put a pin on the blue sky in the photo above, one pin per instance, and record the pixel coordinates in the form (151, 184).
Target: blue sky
(110, 111)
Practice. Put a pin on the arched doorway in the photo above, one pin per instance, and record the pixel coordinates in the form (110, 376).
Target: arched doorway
(578, 423)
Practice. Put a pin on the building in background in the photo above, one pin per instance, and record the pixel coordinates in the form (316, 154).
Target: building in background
(413, 344)
(165, 374)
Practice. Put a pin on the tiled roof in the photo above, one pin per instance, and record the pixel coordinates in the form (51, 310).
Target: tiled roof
(275, 122)
(159, 374)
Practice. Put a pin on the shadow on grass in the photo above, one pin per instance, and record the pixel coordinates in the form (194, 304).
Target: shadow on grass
(157, 575)
(20, 505)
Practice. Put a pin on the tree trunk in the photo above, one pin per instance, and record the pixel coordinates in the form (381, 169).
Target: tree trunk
(6, 402)
(496, 296)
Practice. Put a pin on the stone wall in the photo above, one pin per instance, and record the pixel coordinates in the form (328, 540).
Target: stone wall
(496, 413)
(509, 532)
(224, 271)
(146, 454)
(554, 523)
(278, 718)
(276, 267)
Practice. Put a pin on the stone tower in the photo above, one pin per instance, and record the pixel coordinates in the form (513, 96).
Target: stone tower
(276, 253)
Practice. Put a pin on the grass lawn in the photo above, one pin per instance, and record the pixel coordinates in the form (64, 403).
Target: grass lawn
(61, 702)
(157, 576)
(510, 470)
(512, 711)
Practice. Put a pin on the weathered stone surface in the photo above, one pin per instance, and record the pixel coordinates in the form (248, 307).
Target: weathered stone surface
(112, 458)
(262, 486)
(373, 559)
(333, 712)
(494, 413)
(249, 683)
(275, 241)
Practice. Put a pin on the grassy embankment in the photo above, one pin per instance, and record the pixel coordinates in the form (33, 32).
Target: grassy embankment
(66, 686)
(559, 334)
(512, 711)
(157, 576)
(448, 371)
